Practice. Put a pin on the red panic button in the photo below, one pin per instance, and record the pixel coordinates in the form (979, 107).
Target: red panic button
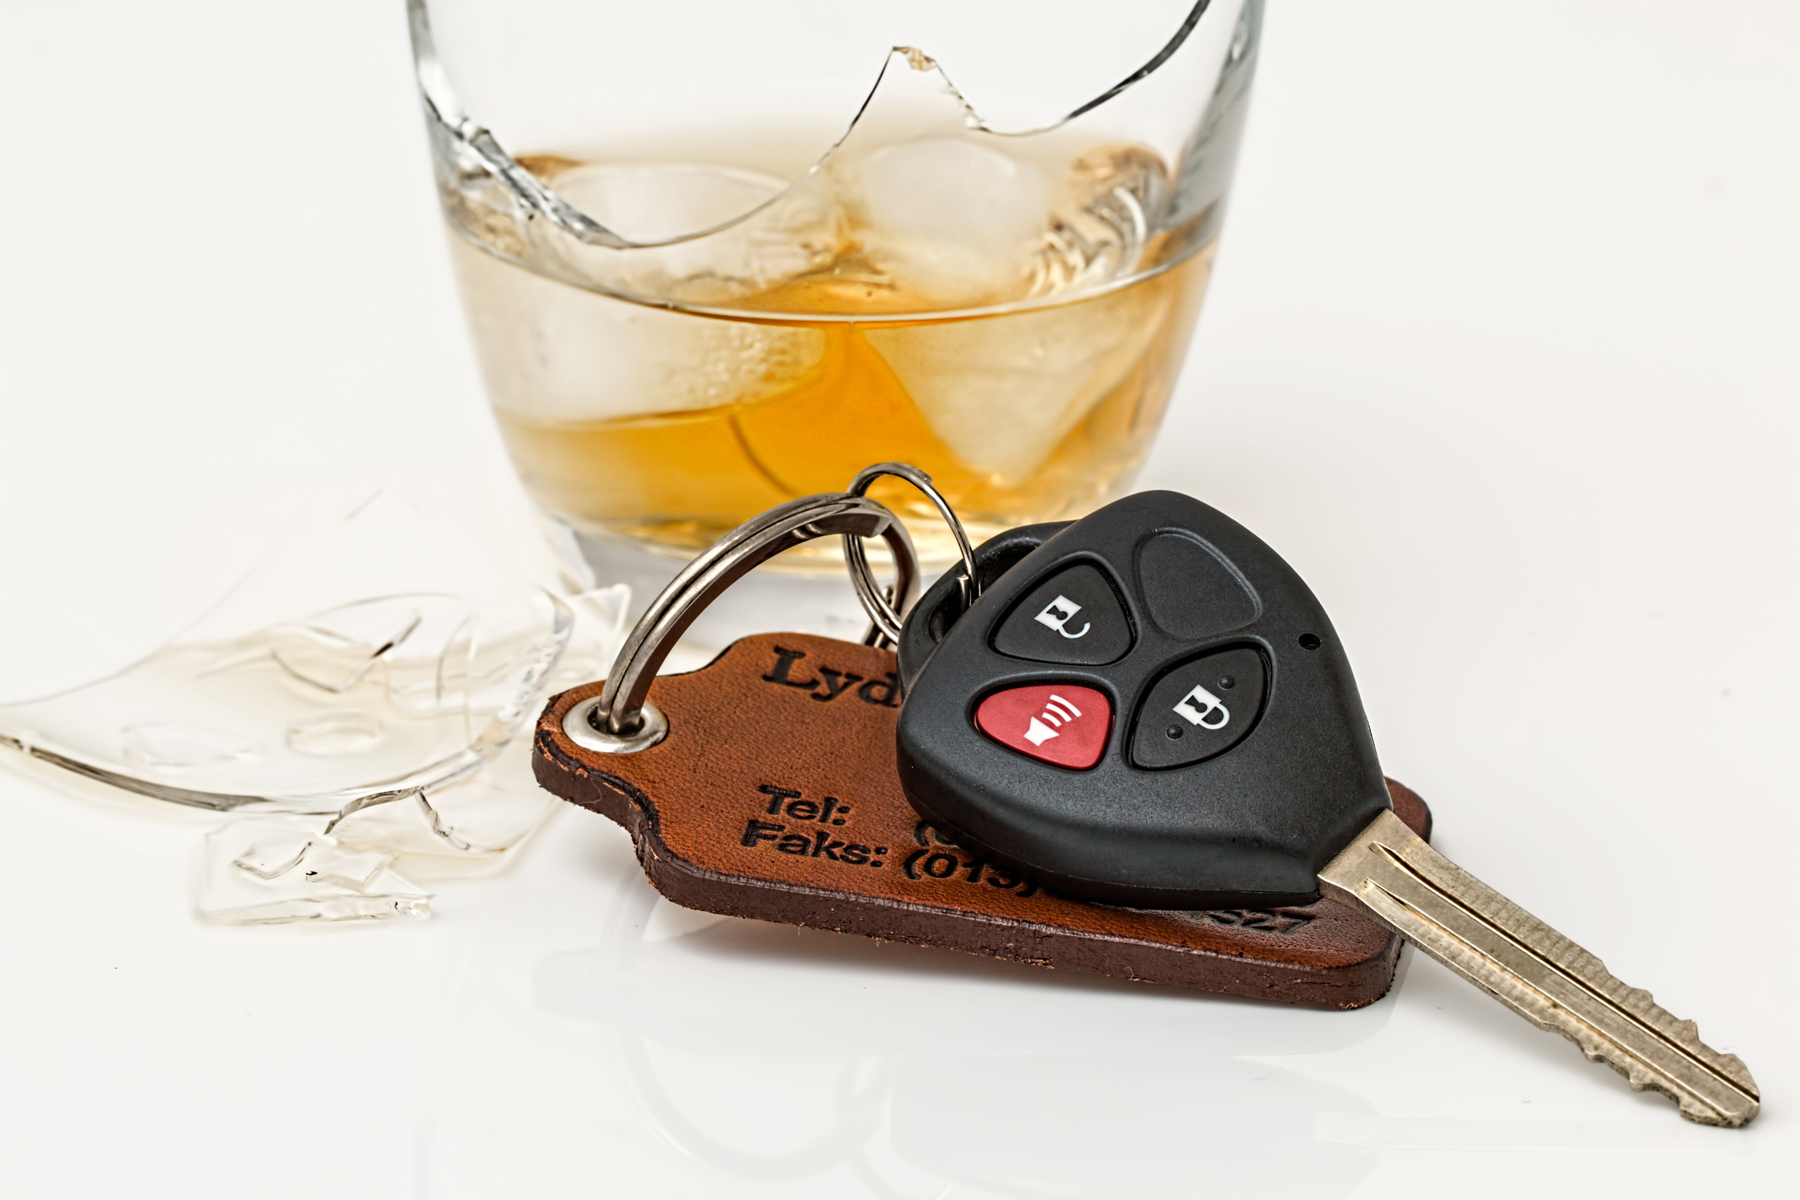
(1059, 723)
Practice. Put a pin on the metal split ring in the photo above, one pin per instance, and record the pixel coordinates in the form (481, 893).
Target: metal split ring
(875, 601)
(621, 721)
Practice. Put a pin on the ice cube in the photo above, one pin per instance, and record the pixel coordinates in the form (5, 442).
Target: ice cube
(771, 232)
(949, 218)
(553, 352)
(654, 202)
(1002, 391)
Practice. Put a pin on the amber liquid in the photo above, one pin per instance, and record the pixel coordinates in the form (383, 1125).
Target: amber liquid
(1022, 412)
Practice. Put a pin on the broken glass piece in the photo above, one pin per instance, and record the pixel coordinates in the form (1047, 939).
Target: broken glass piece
(257, 708)
(274, 856)
(390, 714)
(164, 746)
(404, 821)
(340, 731)
(359, 863)
(336, 658)
(233, 724)
(273, 870)
(601, 622)
(473, 822)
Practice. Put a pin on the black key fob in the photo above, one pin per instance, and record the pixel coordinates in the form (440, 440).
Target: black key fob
(1145, 707)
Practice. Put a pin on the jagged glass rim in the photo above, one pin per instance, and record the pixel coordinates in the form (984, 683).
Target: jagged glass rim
(444, 109)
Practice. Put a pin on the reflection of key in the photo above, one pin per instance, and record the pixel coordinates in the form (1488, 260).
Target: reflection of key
(1179, 812)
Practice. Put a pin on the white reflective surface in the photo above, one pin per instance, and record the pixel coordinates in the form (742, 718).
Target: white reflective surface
(1497, 357)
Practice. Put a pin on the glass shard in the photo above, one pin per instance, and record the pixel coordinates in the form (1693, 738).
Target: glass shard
(274, 870)
(382, 726)
(413, 690)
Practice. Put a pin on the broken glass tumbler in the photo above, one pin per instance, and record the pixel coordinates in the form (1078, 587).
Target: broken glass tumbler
(718, 255)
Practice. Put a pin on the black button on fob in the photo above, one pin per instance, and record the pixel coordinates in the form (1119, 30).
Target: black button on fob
(1188, 732)
(1072, 617)
(1200, 709)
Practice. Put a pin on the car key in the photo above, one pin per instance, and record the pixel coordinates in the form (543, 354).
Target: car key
(1148, 707)
(764, 785)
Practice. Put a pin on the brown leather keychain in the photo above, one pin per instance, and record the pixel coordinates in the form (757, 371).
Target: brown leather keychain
(764, 785)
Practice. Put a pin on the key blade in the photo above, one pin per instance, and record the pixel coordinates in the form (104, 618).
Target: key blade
(1392, 874)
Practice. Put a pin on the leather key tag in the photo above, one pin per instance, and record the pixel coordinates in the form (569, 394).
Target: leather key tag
(775, 796)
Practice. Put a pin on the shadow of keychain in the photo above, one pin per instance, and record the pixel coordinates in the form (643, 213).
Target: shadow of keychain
(764, 785)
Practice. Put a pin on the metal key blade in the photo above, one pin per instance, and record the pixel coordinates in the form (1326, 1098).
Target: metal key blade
(1391, 873)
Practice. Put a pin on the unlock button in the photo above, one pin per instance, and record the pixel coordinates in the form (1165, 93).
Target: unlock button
(1074, 616)
(1200, 709)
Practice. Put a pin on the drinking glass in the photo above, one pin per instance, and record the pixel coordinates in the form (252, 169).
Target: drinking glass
(717, 254)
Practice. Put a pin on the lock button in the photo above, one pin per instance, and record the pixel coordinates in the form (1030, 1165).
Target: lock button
(1073, 617)
(1200, 709)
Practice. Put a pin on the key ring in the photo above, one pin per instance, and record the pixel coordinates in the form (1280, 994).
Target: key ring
(875, 602)
(621, 720)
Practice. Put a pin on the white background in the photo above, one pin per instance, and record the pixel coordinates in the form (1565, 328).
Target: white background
(1501, 356)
